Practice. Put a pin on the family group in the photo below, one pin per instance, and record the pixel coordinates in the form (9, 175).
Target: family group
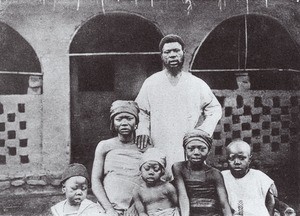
(156, 163)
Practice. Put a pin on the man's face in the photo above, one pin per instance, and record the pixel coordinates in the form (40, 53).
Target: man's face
(172, 56)
(124, 123)
(75, 189)
(239, 160)
(196, 152)
(151, 172)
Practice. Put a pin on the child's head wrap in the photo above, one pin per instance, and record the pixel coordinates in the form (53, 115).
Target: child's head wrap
(74, 169)
(153, 154)
(123, 106)
(197, 135)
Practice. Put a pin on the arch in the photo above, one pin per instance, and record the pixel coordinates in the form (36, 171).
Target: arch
(249, 42)
(18, 61)
(110, 56)
(116, 32)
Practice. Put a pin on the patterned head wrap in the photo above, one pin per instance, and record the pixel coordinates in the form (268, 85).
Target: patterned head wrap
(123, 106)
(197, 135)
(153, 154)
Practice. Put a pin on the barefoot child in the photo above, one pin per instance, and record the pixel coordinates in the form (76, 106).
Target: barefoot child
(155, 197)
(201, 189)
(75, 182)
(250, 191)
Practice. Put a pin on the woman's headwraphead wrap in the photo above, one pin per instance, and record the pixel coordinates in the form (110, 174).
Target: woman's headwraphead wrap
(197, 135)
(123, 106)
(153, 154)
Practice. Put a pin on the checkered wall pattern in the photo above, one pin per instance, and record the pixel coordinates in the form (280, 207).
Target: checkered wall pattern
(10, 145)
(20, 132)
(268, 120)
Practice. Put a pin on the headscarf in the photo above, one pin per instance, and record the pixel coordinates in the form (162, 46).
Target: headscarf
(197, 135)
(123, 106)
(153, 154)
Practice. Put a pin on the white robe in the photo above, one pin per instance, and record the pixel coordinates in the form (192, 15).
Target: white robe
(168, 112)
(251, 189)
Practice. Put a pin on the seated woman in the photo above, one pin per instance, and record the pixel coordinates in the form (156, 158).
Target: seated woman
(115, 172)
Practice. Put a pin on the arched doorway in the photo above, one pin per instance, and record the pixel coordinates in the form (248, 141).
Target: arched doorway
(18, 61)
(20, 104)
(110, 57)
(251, 43)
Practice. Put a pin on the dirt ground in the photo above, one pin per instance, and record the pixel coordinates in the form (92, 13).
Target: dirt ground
(31, 205)
(39, 205)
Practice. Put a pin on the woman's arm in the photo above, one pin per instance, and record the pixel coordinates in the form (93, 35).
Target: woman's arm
(183, 199)
(97, 179)
(222, 193)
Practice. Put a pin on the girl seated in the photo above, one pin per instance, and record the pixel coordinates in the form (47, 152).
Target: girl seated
(201, 189)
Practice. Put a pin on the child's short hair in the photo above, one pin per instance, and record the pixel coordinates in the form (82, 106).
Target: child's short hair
(197, 135)
(74, 169)
(153, 154)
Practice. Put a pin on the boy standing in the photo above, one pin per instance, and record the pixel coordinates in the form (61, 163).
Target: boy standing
(74, 183)
(200, 187)
(155, 197)
(250, 191)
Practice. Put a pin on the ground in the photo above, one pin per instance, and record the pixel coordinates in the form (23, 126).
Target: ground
(39, 205)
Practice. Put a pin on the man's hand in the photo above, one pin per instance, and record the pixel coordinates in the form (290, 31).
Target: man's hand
(142, 141)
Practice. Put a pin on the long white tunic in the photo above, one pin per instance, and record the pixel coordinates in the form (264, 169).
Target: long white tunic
(252, 189)
(168, 112)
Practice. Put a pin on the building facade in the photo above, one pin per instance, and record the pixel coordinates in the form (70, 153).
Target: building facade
(64, 62)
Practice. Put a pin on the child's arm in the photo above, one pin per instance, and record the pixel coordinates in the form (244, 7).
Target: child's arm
(183, 199)
(172, 194)
(138, 204)
(270, 199)
(97, 178)
(222, 193)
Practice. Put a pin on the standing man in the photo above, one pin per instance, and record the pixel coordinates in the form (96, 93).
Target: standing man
(173, 102)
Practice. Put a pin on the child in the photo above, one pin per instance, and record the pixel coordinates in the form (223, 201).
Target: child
(74, 183)
(115, 172)
(250, 191)
(200, 187)
(155, 197)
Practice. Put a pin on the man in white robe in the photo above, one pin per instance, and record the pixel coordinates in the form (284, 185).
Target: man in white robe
(173, 102)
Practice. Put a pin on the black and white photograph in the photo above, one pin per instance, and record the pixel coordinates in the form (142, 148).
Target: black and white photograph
(149, 107)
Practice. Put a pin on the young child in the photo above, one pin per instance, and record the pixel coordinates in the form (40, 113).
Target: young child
(250, 191)
(201, 189)
(74, 183)
(155, 197)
